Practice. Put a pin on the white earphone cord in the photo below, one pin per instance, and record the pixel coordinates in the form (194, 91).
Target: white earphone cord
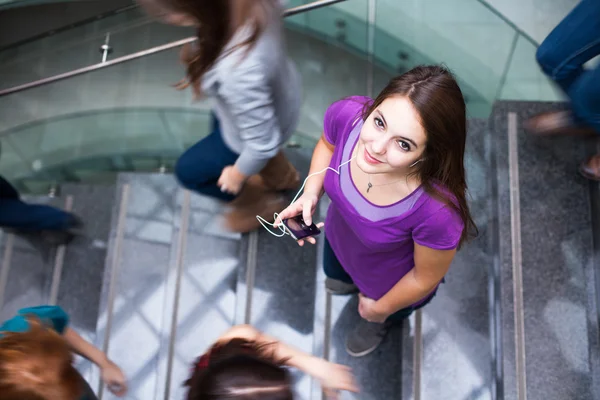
(282, 227)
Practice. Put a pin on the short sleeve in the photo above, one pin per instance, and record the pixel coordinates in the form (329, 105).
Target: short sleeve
(440, 231)
(52, 316)
(340, 115)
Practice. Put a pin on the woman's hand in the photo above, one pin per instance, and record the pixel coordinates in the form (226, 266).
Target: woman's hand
(114, 378)
(231, 180)
(368, 310)
(305, 205)
(333, 377)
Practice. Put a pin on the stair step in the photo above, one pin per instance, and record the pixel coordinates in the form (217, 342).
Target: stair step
(280, 276)
(172, 272)
(134, 324)
(27, 265)
(207, 295)
(548, 269)
(84, 260)
(284, 294)
(456, 360)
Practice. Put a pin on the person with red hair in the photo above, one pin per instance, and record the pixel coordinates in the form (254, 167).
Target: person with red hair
(36, 360)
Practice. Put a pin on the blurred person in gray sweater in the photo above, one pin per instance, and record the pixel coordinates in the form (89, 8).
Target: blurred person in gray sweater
(240, 61)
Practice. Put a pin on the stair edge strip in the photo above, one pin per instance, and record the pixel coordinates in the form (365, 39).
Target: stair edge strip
(183, 231)
(517, 261)
(251, 273)
(115, 264)
(6, 260)
(59, 261)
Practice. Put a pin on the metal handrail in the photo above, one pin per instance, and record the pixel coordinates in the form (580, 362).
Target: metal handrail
(70, 26)
(287, 13)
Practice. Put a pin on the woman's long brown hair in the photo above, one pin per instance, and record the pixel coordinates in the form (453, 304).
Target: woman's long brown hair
(242, 370)
(213, 30)
(438, 100)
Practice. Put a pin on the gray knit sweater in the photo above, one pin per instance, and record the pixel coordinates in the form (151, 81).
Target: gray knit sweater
(258, 96)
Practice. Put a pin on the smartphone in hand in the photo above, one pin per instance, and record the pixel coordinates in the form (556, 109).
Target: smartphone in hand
(298, 228)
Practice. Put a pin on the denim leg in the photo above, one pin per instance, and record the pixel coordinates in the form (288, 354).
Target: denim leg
(331, 265)
(200, 167)
(17, 214)
(585, 98)
(572, 43)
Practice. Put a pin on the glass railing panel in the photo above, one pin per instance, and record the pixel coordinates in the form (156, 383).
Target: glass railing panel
(126, 33)
(473, 40)
(525, 79)
(345, 23)
(74, 119)
(184, 127)
(329, 46)
(12, 160)
(462, 34)
(76, 138)
(72, 47)
(330, 66)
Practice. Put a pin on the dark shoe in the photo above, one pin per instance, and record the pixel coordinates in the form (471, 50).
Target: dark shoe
(366, 337)
(56, 237)
(75, 225)
(590, 169)
(64, 237)
(336, 287)
(557, 123)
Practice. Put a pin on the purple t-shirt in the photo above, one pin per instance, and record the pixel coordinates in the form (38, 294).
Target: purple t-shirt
(374, 243)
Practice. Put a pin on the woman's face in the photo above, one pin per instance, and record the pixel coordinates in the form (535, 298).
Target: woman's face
(391, 139)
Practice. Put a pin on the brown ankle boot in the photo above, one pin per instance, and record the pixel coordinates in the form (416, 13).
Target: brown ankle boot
(251, 192)
(254, 199)
(279, 174)
(243, 219)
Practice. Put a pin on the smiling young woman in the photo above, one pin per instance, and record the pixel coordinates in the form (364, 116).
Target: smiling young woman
(398, 210)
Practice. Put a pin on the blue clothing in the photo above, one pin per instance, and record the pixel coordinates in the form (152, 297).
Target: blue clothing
(15, 213)
(572, 43)
(200, 167)
(51, 316)
(257, 92)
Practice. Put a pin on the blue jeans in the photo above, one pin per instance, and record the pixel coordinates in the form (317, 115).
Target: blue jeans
(573, 42)
(15, 213)
(334, 270)
(199, 168)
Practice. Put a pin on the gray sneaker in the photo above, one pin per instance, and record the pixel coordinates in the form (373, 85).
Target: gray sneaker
(366, 337)
(334, 286)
